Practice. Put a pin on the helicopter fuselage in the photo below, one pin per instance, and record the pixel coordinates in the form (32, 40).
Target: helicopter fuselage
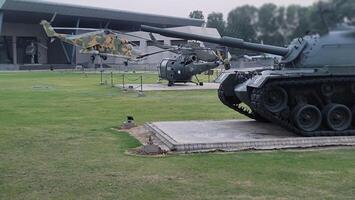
(180, 71)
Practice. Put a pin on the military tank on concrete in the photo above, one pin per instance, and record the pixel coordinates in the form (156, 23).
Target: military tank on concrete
(311, 92)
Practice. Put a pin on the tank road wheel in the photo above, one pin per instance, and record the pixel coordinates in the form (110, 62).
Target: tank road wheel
(337, 117)
(307, 117)
(275, 99)
(328, 90)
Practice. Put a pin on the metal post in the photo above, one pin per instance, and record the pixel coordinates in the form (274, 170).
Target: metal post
(1, 21)
(14, 50)
(112, 80)
(141, 83)
(123, 81)
(101, 83)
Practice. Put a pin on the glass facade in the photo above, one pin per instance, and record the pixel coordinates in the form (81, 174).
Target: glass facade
(6, 50)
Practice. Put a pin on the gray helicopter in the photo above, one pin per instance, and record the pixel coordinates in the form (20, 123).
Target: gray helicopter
(193, 59)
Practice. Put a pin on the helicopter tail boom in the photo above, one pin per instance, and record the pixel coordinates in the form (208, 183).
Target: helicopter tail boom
(48, 29)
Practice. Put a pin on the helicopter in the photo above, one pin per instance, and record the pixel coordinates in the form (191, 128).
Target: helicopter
(192, 59)
(103, 43)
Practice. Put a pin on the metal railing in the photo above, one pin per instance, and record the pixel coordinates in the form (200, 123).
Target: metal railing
(124, 81)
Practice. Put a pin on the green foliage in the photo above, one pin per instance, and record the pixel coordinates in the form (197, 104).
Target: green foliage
(197, 14)
(215, 20)
(276, 25)
(270, 24)
(241, 23)
(297, 21)
(339, 10)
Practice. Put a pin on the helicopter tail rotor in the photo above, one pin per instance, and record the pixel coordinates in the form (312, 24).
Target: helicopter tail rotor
(50, 32)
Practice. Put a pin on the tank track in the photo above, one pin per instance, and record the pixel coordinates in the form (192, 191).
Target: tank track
(235, 105)
(279, 119)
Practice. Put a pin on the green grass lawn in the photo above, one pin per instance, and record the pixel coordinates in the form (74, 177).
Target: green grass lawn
(56, 142)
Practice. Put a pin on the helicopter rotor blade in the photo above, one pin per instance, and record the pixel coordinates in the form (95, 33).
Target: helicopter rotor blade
(150, 54)
(128, 34)
(95, 29)
(53, 18)
(83, 29)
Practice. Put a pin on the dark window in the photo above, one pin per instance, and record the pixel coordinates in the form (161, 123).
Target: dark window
(136, 43)
(6, 56)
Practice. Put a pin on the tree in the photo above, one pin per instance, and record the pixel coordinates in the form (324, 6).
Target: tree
(298, 21)
(345, 10)
(215, 20)
(270, 24)
(197, 14)
(329, 14)
(242, 23)
(279, 25)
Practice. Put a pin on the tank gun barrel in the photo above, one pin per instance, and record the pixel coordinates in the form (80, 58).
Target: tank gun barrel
(224, 41)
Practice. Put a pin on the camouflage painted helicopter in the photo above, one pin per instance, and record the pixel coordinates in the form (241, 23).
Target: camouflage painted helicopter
(192, 59)
(103, 43)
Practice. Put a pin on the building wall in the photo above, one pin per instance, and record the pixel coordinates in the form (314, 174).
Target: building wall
(28, 30)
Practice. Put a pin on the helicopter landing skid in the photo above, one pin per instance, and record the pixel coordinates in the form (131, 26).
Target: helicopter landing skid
(198, 81)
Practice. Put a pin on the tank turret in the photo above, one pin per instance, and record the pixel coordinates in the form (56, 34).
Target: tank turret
(310, 92)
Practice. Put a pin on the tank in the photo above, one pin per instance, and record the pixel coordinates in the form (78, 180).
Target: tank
(311, 92)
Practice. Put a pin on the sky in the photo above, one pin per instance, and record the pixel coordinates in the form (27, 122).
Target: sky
(180, 8)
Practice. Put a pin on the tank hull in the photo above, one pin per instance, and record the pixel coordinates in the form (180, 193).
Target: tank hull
(315, 102)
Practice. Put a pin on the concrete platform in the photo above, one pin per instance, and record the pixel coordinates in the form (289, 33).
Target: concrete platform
(176, 87)
(234, 135)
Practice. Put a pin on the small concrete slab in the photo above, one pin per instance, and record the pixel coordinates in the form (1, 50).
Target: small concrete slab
(234, 135)
(176, 87)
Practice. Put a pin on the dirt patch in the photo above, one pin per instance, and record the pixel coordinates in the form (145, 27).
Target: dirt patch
(146, 138)
(140, 133)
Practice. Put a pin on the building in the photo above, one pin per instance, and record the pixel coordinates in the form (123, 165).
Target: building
(20, 29)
